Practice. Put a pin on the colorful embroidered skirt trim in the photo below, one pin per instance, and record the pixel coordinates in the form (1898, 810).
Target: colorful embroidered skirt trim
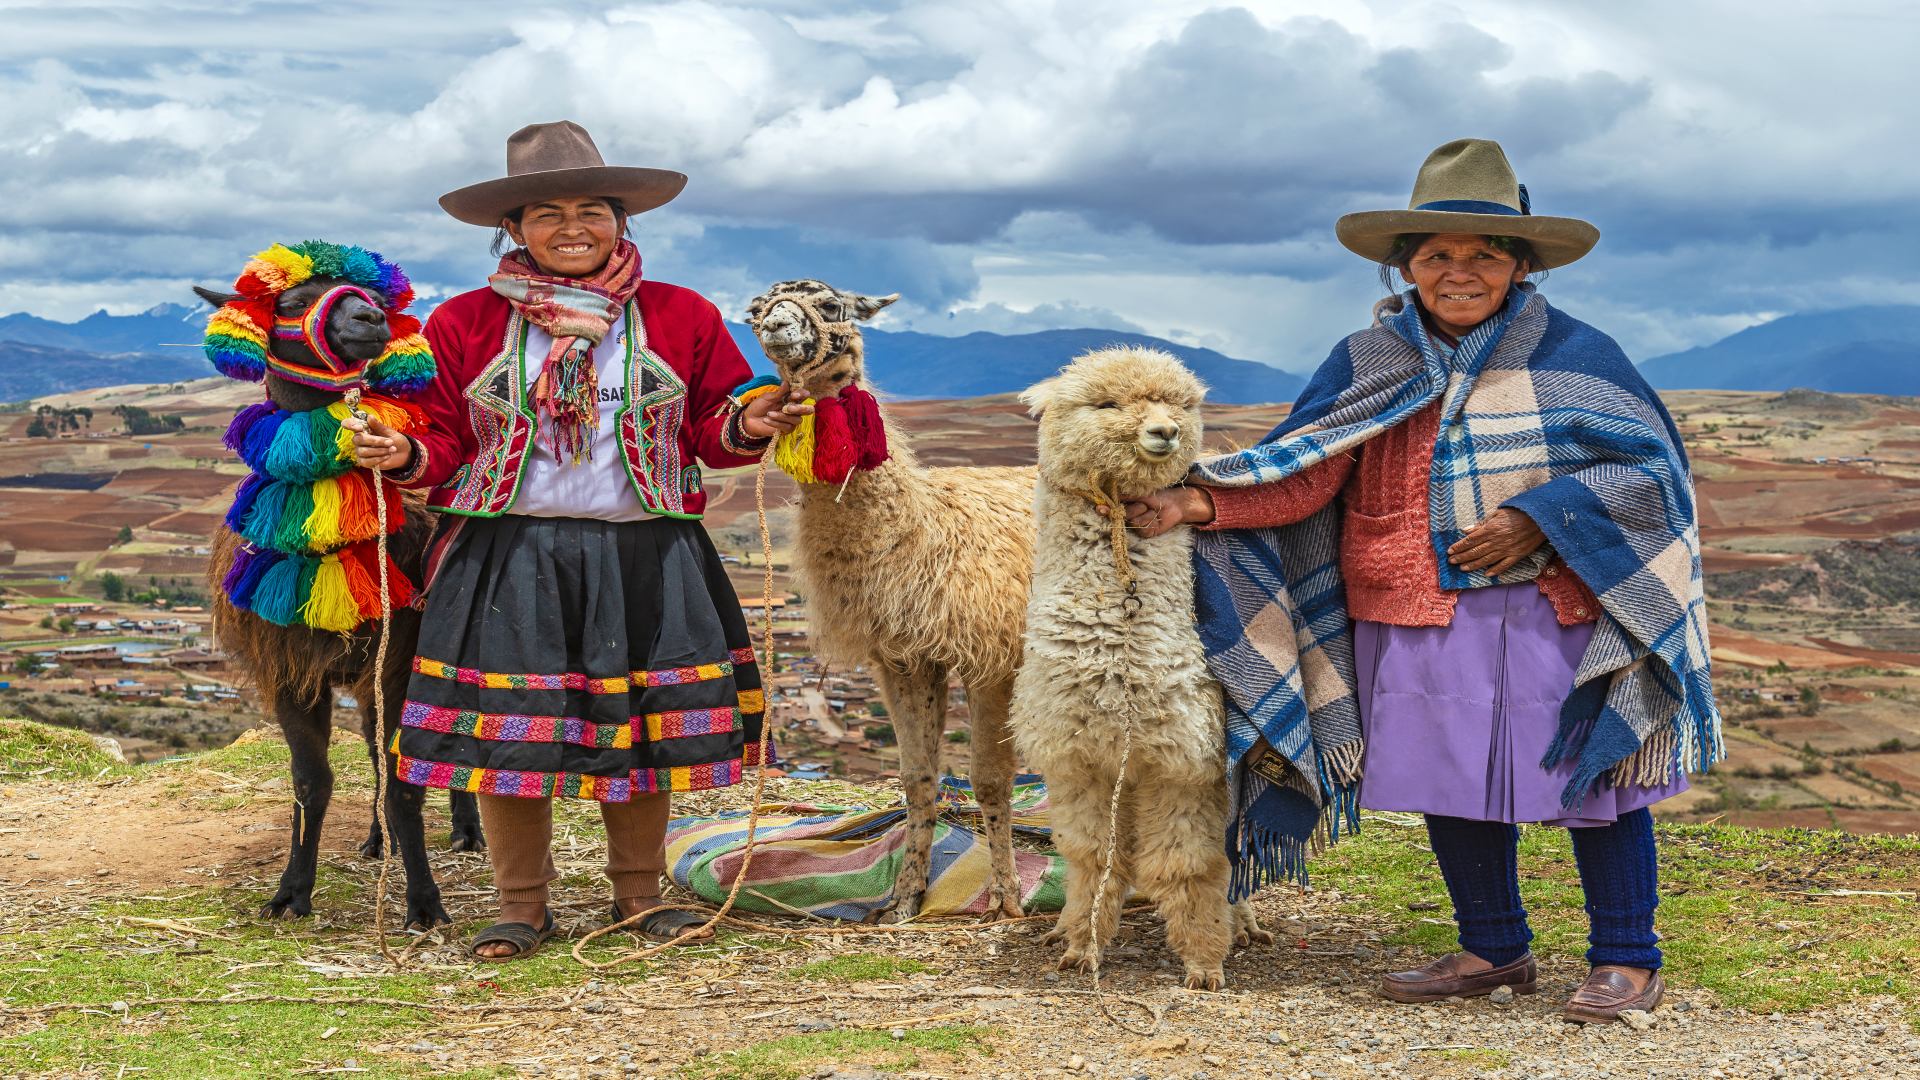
(592, 659)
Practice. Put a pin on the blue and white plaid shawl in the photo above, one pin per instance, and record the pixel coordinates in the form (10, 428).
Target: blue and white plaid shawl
(1540, 412)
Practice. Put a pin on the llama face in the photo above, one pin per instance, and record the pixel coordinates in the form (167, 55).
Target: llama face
(1124, 420)
(806, 327)
(356, 331)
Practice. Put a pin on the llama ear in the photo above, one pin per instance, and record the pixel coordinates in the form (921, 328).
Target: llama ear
(1038, 396)
(866, 307)
(216, 299)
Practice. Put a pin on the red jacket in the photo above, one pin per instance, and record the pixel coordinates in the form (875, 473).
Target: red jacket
(681, 367)
(1387, 559)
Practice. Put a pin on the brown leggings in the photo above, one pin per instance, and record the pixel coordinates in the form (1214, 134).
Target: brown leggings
(520, 843)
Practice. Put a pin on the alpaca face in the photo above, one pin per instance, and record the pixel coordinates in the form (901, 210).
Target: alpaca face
(1122, 420)
(806, 327)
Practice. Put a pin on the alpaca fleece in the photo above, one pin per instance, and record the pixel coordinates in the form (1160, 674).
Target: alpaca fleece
(920, 574)
(1095, 663)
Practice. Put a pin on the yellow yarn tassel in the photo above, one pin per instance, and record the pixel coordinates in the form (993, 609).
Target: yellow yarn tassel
(342, 438)
(323, 525)
(331, 605)
(794, 452)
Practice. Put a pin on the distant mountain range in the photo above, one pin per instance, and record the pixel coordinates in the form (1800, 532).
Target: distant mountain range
(39, 356)
(908, 364)
(1864, 350)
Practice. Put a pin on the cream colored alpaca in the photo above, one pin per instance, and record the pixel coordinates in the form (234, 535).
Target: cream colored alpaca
(921, 574)
(1124, 422)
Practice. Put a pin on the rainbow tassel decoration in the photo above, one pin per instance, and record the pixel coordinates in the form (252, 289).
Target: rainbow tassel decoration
(309, 519)
(236, 338)
(844, 434)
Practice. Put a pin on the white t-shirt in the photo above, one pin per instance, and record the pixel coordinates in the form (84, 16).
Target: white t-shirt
(597, 488)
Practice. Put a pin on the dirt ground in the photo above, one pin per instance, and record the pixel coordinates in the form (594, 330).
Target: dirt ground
(865, 1002)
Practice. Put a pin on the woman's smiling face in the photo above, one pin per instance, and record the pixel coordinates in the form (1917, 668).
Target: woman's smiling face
(1462, 279)
(568, 237)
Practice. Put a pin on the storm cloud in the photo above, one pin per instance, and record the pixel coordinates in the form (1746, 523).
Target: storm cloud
(1165, 164)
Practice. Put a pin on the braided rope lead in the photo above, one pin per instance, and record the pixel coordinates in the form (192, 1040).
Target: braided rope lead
(759, 774)
(380, 702)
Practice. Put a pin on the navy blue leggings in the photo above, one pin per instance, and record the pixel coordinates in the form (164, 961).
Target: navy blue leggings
(1618, 871)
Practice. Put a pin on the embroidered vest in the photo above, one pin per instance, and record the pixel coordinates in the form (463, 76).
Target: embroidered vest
(504, 424)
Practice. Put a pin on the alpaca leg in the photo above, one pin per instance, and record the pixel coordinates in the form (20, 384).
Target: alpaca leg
(917, 701)
(406, 825)
(1080, 833)
(1246, 926)
(306, 726)
(992, 775)
(1183, 862)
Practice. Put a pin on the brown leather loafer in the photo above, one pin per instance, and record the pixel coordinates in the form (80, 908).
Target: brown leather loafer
(1443, 979)
(1607, 993)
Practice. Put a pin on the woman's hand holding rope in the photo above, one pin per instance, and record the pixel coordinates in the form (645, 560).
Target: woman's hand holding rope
(1151, 515)
(770, 416)
(377, 446)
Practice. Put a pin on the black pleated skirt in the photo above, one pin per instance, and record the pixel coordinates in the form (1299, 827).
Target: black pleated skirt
(594, 659)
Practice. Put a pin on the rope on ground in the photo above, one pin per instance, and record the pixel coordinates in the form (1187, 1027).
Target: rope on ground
(759, 772)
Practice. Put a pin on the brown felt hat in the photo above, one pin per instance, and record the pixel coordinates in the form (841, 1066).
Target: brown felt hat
(1467, 186)
(558, 161)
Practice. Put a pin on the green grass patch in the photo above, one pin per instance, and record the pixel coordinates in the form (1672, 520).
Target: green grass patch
(1739, 915)
(1483, 1057)
(797, 1056)
(42, 751)
(116, 952)
(858, 967)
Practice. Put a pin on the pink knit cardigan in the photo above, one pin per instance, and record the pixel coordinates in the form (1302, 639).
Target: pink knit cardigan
(1386, 551)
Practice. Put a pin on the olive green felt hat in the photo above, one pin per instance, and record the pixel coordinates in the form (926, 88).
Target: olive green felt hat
(1467, 186)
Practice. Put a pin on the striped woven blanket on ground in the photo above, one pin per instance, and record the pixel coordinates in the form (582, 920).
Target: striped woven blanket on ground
(840, 862)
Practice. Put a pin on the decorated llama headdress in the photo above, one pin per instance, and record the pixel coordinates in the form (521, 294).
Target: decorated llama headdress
(237, 334)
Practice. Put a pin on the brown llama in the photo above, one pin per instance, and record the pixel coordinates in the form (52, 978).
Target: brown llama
(296, 656)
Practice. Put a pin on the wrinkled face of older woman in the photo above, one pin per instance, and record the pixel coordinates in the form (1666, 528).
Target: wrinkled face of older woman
(1462, 279)
(568, 237)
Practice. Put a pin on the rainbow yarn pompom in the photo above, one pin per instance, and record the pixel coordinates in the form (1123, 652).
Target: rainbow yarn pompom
(236, 338)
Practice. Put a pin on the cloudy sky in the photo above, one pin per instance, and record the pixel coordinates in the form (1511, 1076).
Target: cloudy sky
(1168, 165)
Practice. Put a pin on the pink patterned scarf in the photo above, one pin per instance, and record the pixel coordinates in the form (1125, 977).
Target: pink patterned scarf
(576, 313)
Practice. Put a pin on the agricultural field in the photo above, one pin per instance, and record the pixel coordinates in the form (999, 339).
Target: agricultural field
(1809, 504)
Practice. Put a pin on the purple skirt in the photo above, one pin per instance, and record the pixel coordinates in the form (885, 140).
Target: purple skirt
(1457, 718)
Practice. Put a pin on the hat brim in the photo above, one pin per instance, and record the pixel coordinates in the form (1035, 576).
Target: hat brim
(1556, 240)
(638, 190)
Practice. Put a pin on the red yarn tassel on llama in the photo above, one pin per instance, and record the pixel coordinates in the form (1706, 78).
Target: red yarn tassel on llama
(868, 430)
(834, 453)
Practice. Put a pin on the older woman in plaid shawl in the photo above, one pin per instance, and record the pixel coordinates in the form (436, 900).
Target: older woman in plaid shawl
(1501, 622)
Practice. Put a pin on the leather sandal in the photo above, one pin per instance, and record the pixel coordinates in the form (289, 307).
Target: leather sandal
(522, 936)
(1443, 979)
(1608, 992)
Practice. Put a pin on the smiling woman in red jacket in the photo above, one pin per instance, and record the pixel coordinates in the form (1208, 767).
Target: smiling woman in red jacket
(581, 637)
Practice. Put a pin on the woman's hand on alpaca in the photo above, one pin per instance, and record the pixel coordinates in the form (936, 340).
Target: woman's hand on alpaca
(770, 416)
(1497, 543)
(377, 446)
(1151, 515)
